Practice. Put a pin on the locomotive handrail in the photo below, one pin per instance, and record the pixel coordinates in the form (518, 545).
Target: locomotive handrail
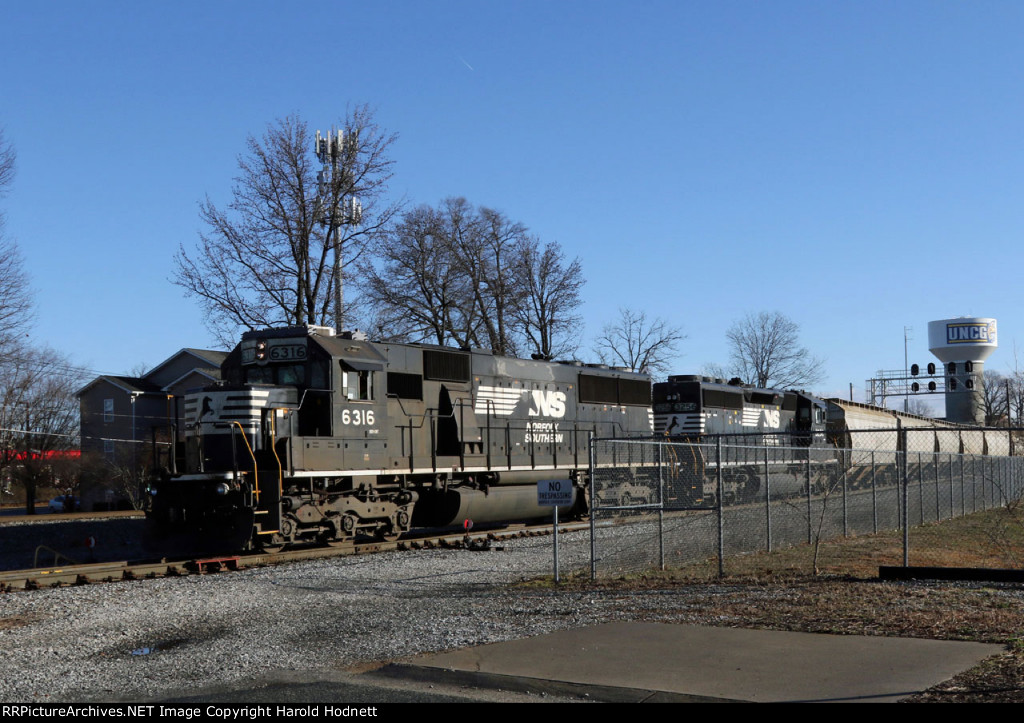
(277, 458)
(255, 472)
(423, 417)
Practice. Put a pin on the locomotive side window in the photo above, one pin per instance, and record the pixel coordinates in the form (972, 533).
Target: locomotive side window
(358, 385)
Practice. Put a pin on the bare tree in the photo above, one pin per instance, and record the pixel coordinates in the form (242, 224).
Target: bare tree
(636, 342)
(7, 158)
(994, 395)
(15, 291)
(38, 413)
(268, 258)
(916, 405)
(766, 352)
(486, 255)
(470, 276)
(413, 288)
(547, 313)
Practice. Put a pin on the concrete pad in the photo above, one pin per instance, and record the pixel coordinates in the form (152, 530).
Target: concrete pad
(684, 662)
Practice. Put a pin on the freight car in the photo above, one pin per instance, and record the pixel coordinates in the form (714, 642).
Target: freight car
(313, 436)
(868, 437)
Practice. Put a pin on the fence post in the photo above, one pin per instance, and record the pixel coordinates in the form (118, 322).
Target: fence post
(984, 475)
(963, 491)
(974, 485)
(952, 513)
(721, 511)
(921, 491)
(904, 483)
(593, 507)
(767, 501)
(661, 510)
(874, 497)
(810, 539)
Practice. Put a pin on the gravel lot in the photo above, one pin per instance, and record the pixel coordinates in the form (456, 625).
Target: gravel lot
(162, 639)
(158, 638)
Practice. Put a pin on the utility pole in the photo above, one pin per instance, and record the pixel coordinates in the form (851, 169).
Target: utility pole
(906, 368)
(335, 206)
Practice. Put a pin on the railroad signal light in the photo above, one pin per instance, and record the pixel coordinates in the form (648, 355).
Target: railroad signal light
(931, 386)
(915, 370)
(952, 385)
(916, 387)
(931, 367)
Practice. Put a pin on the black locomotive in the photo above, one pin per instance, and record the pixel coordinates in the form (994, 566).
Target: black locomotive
(753, 423)
(313, 436)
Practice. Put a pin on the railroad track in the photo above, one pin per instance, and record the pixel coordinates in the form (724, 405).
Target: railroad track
(101, 572)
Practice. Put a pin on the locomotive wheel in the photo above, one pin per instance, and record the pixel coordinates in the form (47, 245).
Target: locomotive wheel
(342, 532)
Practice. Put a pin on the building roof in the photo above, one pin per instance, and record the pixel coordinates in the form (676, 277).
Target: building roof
(130, 385)
(205, 358)
(203, 361)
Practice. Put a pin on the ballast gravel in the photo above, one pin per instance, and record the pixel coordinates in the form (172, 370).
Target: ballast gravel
(150, 639)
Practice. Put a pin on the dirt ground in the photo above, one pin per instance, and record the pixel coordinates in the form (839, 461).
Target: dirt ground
(783, 591)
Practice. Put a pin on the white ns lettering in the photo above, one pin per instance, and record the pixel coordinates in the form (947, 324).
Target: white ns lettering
(547, 404)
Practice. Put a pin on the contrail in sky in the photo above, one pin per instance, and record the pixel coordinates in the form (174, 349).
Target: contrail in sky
(467, 64)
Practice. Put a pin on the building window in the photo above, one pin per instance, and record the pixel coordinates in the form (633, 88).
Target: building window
(108, 410)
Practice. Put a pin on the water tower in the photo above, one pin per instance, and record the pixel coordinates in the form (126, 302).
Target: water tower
(963, 345)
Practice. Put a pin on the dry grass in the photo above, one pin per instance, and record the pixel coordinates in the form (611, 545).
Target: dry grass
(779, 591)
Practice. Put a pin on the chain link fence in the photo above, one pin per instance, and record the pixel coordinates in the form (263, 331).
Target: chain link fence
(660, 504)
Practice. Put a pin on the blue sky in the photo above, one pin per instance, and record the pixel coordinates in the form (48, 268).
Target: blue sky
(858, 166)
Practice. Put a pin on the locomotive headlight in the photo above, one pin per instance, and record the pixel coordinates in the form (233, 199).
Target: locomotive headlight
(261, 349)
(222, 489)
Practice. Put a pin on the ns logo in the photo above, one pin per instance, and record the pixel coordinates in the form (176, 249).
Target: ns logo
(547, 404)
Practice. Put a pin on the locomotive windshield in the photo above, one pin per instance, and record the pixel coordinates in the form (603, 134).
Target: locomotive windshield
(284, 374)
